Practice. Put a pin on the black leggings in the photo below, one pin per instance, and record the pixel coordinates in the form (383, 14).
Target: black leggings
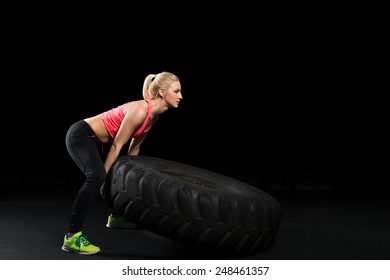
(86, 150)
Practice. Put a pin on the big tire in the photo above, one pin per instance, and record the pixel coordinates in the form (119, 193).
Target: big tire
(190, 204)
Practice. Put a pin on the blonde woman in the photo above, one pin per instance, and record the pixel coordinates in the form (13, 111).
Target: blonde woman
(129, 122)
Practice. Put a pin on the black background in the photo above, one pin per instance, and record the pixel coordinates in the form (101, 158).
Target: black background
(296, 98)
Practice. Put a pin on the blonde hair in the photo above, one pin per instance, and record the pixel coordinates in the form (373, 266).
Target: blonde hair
(153, 82)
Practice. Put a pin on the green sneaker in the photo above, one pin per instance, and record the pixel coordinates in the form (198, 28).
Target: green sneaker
(79, 244)
(116, 221)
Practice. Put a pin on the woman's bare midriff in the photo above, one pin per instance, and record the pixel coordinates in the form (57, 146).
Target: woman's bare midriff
(97, 125)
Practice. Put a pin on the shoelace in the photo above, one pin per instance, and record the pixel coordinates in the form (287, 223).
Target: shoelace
(83, 239)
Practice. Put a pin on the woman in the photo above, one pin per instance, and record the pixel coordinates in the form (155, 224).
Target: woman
(85, 139)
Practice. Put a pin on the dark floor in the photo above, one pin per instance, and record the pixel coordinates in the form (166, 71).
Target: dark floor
(327, 224)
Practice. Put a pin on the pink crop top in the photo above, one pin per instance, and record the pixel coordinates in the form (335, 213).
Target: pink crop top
(113, 118)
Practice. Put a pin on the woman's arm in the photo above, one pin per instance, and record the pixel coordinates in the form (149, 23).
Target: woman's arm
(131, 121)
(135, 145)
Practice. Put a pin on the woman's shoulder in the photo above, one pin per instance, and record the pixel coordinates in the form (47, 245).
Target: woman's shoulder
(136, 106)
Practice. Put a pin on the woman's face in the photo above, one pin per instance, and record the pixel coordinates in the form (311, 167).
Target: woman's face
(173, 95)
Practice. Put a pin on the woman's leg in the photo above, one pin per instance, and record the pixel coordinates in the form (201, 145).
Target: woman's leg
(85, 149)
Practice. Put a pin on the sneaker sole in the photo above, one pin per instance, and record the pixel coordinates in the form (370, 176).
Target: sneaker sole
(66, 249)
(119, 227)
